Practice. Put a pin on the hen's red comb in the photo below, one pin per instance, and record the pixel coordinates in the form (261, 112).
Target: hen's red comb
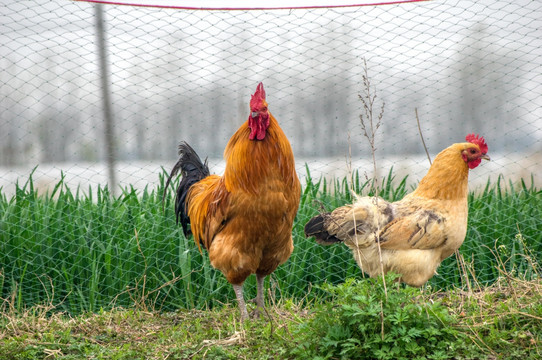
(258, 96)
(478, 140)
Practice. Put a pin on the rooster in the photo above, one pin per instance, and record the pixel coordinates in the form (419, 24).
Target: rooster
(416, 233)
(244, 218)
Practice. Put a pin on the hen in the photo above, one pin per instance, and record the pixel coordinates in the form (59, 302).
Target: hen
(415, 233)
(244, 218)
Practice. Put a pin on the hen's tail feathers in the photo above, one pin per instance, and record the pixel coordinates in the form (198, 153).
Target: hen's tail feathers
(316, 227)
(192, 170)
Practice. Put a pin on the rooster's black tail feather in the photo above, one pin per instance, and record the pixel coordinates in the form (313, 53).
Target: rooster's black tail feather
(192, 170)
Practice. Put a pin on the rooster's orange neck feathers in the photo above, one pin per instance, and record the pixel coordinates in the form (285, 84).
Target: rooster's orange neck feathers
(250, 163)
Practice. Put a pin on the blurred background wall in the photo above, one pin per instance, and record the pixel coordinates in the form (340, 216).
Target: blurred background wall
(466, 66)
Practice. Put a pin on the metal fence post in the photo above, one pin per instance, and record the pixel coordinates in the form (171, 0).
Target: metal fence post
(109, 138)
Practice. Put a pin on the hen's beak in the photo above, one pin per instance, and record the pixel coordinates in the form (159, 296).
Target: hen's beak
(485, 157)
(254, 114)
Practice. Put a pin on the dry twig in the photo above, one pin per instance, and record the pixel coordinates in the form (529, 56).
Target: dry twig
(369, 127)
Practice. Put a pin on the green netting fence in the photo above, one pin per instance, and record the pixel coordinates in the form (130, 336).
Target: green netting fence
(82, 225)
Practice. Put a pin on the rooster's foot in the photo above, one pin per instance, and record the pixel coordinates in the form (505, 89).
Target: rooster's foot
(256, 313)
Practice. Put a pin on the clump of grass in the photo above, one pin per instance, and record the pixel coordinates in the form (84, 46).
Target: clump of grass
(366, 320)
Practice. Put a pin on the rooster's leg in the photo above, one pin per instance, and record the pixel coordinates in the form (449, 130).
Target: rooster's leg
(259, 300)
(241, 300)
(259, 294)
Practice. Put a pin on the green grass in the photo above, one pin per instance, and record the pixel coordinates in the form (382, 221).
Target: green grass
(89, 251)
(353, 320)
(367, 320)
(88, 276)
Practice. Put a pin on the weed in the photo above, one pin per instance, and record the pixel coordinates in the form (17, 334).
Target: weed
(357, 321)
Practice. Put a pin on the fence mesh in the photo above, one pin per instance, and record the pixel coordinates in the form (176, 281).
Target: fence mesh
(464, 66)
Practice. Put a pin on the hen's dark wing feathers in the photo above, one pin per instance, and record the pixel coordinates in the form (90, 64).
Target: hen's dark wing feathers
(316, 227)
(422, 229)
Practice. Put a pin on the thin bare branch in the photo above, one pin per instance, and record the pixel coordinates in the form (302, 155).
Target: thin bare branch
(421, 135)
(369, 127)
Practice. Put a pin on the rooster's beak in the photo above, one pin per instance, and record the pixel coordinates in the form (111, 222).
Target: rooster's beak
(485, 157)
(254, 114)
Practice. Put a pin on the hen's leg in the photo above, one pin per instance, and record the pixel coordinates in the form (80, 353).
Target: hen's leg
(241, 300)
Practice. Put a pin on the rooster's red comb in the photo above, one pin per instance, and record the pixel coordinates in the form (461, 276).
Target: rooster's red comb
(258, 96)
(478, 140)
